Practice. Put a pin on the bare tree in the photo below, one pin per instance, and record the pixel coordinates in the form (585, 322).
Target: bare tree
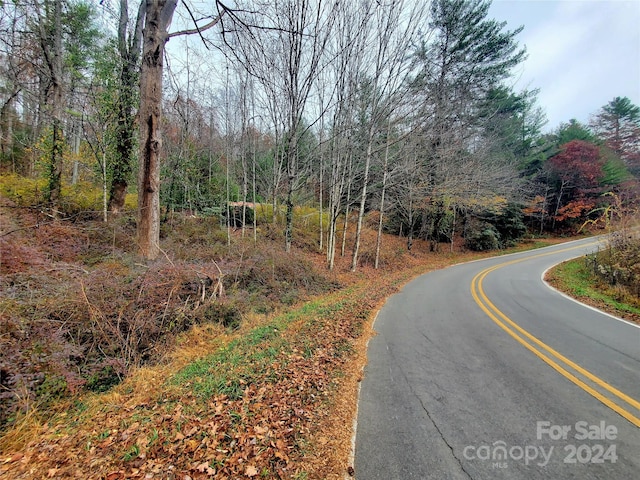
(396, 28)
(49, 36)
(286, 53)
(385, 167)
(347, 49)
(13, 64)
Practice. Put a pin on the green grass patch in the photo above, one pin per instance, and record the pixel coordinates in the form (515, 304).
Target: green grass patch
(248, 358)
(577, 280)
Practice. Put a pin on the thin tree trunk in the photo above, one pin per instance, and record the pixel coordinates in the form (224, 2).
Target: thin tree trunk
(76, 153)
(453, 227)
(347, 208)
(104, 187)
(291, 163)
(555, 214)
(228, 206)
(245, 192)
(253, 166)
(410, 226)
(384, 188)
(363, 200)
(253, 195)
(229, 153)
(54, 58)
(321, 167)
(321, 220)
(211, 142)
(380, 221)
(277, 163)
(243, 153)
(544, 208)
(336, 189)
(345, 227)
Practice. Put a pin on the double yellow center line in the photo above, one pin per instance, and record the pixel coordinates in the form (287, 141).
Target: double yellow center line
(608, 395)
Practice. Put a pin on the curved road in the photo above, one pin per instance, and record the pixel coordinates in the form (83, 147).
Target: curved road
(481, 371)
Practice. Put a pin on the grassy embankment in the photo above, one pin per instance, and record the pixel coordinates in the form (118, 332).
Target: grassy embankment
(577, 279)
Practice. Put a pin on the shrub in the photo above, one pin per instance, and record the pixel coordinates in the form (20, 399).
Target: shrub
(224, 313)
(277, 277)
(482, 236)
(77, 311)
(619, 262)
(22, 190)
(510, 225)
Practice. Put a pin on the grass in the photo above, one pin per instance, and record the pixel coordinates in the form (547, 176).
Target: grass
(576, 279)
(247, 359)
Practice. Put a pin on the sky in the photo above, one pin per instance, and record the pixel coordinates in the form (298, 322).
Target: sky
(581, 53)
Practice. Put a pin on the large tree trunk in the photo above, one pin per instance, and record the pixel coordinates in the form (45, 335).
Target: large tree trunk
(6, 126)
(125, 141)
(157, 21)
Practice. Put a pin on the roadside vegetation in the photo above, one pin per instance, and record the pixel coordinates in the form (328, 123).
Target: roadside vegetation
(213, 360)
(608, 279)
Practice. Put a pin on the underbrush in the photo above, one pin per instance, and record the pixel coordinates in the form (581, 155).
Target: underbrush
(78, 311)
(82, 198)
(618, 263)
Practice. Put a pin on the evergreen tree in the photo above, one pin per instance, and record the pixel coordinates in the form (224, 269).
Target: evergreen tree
(469, 56)
(618, 125)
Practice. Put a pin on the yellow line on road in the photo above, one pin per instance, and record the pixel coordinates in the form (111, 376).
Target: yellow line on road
(500, 319)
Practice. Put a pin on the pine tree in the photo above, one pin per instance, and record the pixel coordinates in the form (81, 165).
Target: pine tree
(618, 124)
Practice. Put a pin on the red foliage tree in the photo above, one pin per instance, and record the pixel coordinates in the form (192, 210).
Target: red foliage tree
(578, 164)
(578, 172)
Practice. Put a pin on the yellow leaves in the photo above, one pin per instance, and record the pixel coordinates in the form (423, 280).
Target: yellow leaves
(496, 202)
(22, 190)
(191, 445)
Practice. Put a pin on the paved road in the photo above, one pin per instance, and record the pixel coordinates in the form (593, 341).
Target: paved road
(481, 371)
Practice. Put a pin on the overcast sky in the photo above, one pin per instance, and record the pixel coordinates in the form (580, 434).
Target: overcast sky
(582, 53)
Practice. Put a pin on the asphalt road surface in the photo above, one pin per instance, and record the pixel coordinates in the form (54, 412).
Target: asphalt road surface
(481, 371)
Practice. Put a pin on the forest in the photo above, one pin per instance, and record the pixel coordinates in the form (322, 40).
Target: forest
(400, 108)
(165, 164)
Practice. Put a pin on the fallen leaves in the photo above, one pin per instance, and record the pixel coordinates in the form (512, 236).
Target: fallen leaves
(251, 471)
(287, 380)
